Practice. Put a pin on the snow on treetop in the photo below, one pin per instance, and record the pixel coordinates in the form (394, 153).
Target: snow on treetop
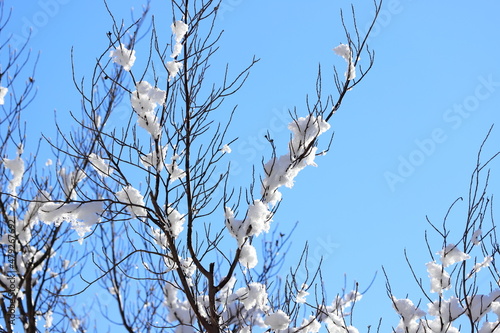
(123, 56)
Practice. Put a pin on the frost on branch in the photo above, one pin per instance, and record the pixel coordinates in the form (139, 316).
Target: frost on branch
(123, 57)
(345, 52)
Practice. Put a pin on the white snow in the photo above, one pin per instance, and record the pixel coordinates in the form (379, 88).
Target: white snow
(123, 56)
(254, 295)
(3, 92)
(480, 265)
(174, 170)
(48, 319)
(149, 122)
(311, 325)
(302, 152)
(144, 101)
(409, 313)
(440, 279)
(302, 294)
(476, 237)
(75, 324)
(82, 216)
(451, 255)
(134, 200)
(248, 256)
(451, 308)
(257, 220)
(173, 67)
(16, 167)
(70, 181)
(226, 149)
(345, 52)
(179, 29)
(101, 166)
(175, 221)
(277, 320)
(176, 51)
(155, 159)
(479, 305)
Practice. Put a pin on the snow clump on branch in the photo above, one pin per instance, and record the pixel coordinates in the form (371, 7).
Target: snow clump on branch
(446, 311)
(179, 29)
(345, 52)
(16, 167)
(302, 152)
(123, 57)
(134, 201)
(144, 101)
(3, 92)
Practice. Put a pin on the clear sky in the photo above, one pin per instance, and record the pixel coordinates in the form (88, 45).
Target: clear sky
(405, 141)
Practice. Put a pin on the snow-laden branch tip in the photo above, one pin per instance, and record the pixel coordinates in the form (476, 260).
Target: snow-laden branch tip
(226, 149)
(345, 52)
(302, 152)
(248, 256)
(123, 57)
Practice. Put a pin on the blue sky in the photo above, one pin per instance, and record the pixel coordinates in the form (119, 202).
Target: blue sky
(420, 114)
